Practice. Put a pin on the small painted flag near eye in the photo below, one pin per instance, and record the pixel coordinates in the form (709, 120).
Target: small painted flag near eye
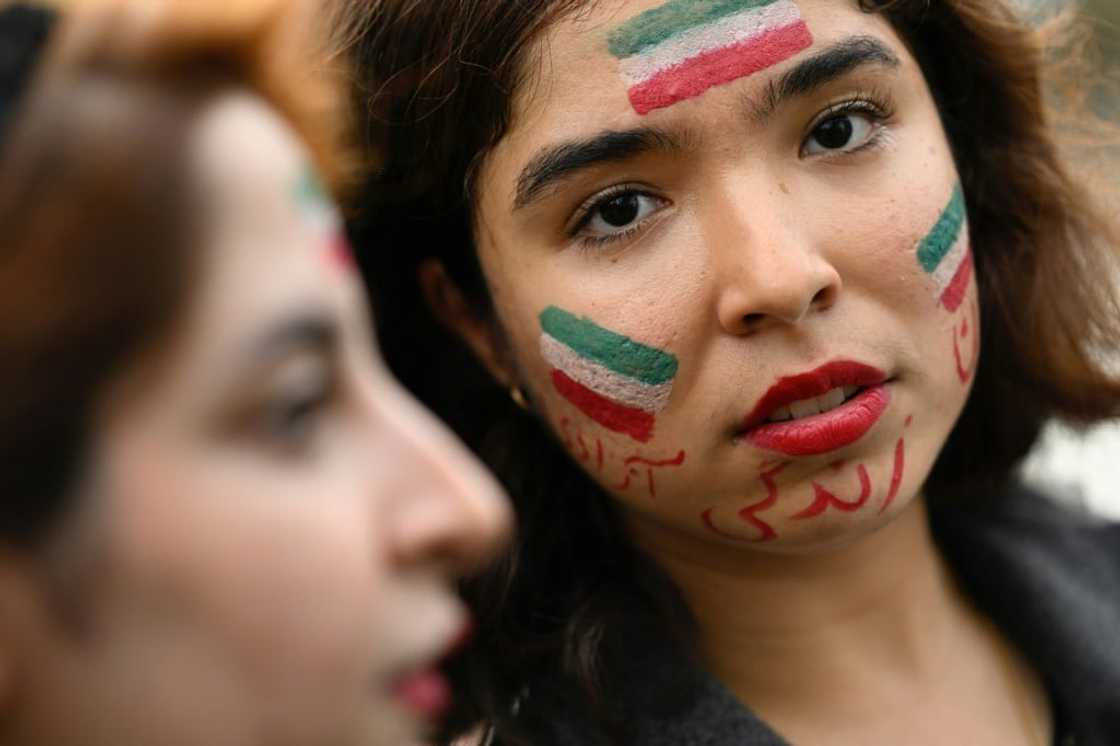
(315, 203)
(681, 49)
(323, 217)
(946, 254)
(619, 383)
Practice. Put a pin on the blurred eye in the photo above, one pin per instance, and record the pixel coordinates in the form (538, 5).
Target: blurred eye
(843, 132)
(616, 215)
(292, 413)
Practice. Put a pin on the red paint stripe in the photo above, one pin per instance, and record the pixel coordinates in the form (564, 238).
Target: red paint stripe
(339, 254)
(896, 476)
(611, 415)
(958, 286)
(696, 75)
(965, 374)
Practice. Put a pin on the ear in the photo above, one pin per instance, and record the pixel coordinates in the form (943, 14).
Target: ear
(450, 307)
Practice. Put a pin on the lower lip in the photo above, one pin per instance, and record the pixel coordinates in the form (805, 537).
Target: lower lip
(825, 432)
(426, 694)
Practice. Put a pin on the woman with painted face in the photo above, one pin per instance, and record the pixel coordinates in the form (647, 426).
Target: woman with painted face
(223, 523)
(772, 297)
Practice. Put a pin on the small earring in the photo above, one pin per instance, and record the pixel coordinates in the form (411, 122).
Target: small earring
(518, 398)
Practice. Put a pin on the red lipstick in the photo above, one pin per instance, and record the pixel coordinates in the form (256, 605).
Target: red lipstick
(827, 431)
(425, 693)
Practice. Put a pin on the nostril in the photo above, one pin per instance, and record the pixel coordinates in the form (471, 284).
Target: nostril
(824, 297)
(753, 319)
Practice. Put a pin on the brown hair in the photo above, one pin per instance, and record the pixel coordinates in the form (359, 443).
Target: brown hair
(436, 81)
(96, 212)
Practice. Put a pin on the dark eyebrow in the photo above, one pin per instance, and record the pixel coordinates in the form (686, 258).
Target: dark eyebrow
(831, 63)
(308, 329)
(559, 161)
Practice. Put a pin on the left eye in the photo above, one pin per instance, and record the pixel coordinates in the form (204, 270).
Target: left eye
(619, 213)
(840, 133)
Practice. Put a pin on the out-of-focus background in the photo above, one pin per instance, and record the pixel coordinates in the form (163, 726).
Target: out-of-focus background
(1089, 462)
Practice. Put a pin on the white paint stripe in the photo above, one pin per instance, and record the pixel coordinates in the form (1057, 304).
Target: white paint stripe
(733, 29)
(951, 262)
(324, 217)
(603, 381)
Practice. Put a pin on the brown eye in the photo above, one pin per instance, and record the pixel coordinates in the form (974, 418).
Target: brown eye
(620, 211)
(841, 133)
(291, 415)
(835, 133)
(617, 214)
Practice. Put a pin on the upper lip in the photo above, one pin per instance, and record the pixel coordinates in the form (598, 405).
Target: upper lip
(831, 375)
(438, 652)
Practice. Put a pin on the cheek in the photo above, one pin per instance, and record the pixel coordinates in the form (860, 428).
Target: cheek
(281, 581)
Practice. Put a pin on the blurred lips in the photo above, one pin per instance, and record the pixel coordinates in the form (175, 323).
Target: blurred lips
(424, 690)
(425, 693)
(826, 431)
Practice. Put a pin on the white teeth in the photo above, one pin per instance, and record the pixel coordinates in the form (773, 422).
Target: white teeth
(805, 408)
(781, 415)
(818, 404)
(832, 399)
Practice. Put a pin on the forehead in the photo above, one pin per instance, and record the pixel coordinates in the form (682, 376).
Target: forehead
(268, 227)
(587, 65)
(246, 161)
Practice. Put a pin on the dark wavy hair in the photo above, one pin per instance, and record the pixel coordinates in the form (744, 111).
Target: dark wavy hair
(433, 87)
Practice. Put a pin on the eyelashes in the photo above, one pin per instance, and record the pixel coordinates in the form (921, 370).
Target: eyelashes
(620, 212)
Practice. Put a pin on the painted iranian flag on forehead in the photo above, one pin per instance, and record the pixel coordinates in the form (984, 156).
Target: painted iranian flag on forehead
(681, 49)
(619, 383)
(946, 254)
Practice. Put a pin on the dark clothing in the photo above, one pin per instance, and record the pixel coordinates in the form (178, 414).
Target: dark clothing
(1047, 575)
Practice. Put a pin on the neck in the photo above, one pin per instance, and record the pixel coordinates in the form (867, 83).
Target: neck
(775, 627)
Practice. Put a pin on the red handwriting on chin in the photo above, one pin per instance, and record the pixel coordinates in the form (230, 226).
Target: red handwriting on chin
(750, 513)
(896, 474)
(825, 499)
(961, 333)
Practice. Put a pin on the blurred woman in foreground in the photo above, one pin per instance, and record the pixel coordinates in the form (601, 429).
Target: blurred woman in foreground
(223, 521)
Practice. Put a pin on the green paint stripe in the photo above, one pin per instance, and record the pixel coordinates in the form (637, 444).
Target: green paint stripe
(658, 24)
(613, 351)
(941, 238)
(309, 190)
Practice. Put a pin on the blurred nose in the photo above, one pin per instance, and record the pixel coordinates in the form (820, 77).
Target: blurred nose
(448, 510)
(768, 271)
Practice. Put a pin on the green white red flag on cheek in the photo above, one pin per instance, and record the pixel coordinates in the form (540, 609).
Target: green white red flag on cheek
(945, 253)
(617, 382)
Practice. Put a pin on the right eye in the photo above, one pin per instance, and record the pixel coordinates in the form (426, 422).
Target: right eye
(617, 215)
(290, 416)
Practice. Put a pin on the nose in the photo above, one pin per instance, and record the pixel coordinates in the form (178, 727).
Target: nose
(768, 271)
(447, 510)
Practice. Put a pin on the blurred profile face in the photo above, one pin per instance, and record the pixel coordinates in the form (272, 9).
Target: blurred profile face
(728, 247)
(269, 526)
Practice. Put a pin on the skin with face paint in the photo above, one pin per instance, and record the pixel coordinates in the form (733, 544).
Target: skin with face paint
(269, 527)
(766, 233)
(758, 232)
